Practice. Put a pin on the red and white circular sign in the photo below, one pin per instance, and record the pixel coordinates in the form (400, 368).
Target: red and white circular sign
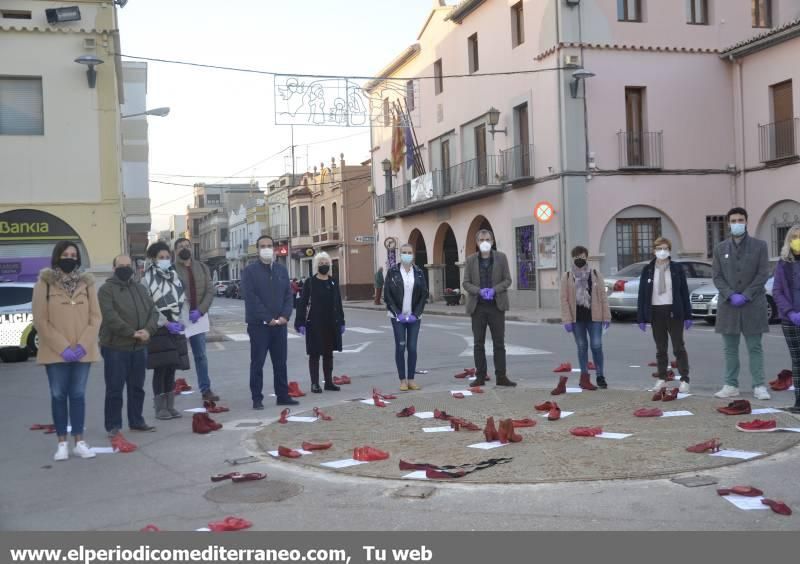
(544, 212)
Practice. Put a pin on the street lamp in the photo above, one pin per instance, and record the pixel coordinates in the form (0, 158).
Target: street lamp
(90, 61)
(160, 112)
(577, 77)
(494, 119)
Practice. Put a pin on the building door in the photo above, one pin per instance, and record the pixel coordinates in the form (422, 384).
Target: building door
(783, 115)
(335, 269)
(452, 278)
(445, 149)
(635, 239)
(522, 165)
(480, 155)
(634, 115)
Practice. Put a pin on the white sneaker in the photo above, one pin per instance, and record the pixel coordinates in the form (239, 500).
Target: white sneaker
(761, 393)
(683, 388)
(727, 392)
(660, 384)
(62, 453)
(82, 449)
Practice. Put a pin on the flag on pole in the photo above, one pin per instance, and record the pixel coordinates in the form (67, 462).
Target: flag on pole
(397, 145)
(409, 137)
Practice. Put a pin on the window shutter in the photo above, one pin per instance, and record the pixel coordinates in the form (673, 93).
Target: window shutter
(21, 106)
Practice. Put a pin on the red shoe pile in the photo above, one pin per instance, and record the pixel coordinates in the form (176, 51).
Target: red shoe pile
(182, 386)
(203, 424)
(212, 407)
(284, 416)
(369, 454)
(230, 524)
(586, 431)
(407, 411)
(316, 446)
(321, 415)
(563, 367)
(341, 380)
(757, 426)
(710, 445)
(121, 444)
(783, 382)
(646, 412)
(504, 432)
(467, 372)
(736, 407)
(295, 391)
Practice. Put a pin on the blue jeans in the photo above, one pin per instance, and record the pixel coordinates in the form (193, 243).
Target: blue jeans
(405, 339)
(198, 343)
(121, 369)
(273, 340)
(594, 331)
(67, 389)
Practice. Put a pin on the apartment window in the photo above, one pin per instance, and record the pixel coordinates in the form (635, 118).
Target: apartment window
(480, 155)
(303, 220)
(197, 249)
(635, 239)
(15, 14)
(333, 214)
(472, 48)
(634, 126)
(212, 200)
(526, 257)
(294, 222)
(762, 13)
(438, 81)
(697, 12)
(21, 109)
(322, 218)
(517, 25)
(196, 227)
(716, 232)
(782, 142)
(223, 234)
(781, 231)
(629, 10)
(522, 158)
(410, 95)
(387, 114)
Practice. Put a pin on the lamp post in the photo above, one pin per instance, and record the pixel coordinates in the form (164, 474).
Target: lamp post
(159, 112)
(577, 77)
(90, 61)
(494, 119)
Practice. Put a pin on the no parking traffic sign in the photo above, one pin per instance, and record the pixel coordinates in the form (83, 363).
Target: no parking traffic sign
(544, 212)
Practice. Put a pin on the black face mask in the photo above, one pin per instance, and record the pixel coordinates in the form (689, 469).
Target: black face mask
(67, 264)
(124, 273)
(580, 263)
(324, 268)
(185, 254)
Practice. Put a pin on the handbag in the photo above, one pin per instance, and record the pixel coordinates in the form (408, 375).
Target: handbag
(164, 350)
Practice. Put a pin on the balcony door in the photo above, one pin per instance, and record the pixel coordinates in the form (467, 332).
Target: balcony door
(445, 149)
(634, 115)
(783, 138)
(480, 155)
(523, 136)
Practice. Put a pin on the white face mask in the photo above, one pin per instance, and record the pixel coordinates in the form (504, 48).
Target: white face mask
(662, 254)
(266, 253)
(406, 258)
(485, 246)
(164, 264)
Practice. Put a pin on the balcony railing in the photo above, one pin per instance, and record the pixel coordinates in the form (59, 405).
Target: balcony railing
(280, 231)
(330, 235)
(641, 149)
(518, 162)
(779, 140)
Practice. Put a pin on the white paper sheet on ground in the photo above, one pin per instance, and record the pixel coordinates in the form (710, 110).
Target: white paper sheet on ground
(238, 336)
(437, 429)
(605, 435)
(765, 410)
(190, 392)
(200, 326)
(416, 475)
(576, 370)
(298, 419)
(203, 530)
(300, 450)
(683, 396)
(424, 415)
(574, 390)
(676, 413)
(741, 454)
(465, 392)
(343, 463)
(487, 446)
(371, 401)
(196, 410)
(634, 366)
(103, 450)
(746, 503)
(563, 414)
(790, 429)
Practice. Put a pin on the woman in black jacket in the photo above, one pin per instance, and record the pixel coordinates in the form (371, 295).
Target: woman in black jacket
(320, 318)
(664, 303)
(405, 293)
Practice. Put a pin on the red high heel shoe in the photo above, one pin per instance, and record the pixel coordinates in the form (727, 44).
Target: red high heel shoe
(441, 415)
(284, 416)
(376, 399)
(321, 415)
(711, 445)
(377, 392)
(777, 506)
(563, 367)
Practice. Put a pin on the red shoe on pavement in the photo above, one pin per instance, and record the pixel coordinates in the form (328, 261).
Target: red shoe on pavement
(407, 411)
(757, 426)
(476, 390)
(212, 407)
(182, 386)
(591, 366)
(295, 391)
(441, 415)
(783, 381)
(710, 445)
(586, 382)
(490, 431)
(670, 395)
(648, 412)
(546, 406)
(230, 524)
(200, 425)
(555, 412)
(563, 367)
(586, 431)
(369, 454)
(150, 529)
(377, 392)
(747, 491)
(736, 407)
(561, 387)
(213, 425)
(284, 416)
(341, 380)
(316, 446)
(777, 506)
(121, 444)
(321, 415)
(287, 452)
(522, 423)
(659, 395)
(376, 399)
(458, 395)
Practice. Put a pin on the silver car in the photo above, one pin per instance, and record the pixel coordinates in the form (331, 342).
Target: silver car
(705, 299)
(18, 338)
(623, 288)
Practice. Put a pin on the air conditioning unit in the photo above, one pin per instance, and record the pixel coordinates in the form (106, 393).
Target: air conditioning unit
(571, 61)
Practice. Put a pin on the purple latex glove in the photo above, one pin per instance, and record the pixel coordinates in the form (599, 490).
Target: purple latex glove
(174, 327)
(69, 355)
(487, 294)
(341, 328)
(411, 318)
(302, 330)
(643, 327)
(688, 324)
(606, 325)
(80, 352)
(569, 327)
(737, 300)
(401, 318)
(194, 316)
(794, 317)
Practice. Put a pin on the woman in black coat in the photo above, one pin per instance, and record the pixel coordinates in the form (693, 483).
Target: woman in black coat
(405, 293)
(320, 317)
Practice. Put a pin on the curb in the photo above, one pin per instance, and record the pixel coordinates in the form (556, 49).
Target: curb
(512, 317)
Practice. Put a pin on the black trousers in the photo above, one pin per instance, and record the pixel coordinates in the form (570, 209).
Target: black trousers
(486, 315)
(163, 380)
(666, 328)
(327, 339)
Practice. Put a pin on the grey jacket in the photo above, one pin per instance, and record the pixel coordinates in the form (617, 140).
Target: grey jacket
(203, 284)
(742, 269)
(126, 307)
(501, 281)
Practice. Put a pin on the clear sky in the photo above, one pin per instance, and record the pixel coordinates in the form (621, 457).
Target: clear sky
(222, 122)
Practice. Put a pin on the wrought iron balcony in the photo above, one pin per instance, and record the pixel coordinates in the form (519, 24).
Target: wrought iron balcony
(778, 140)
(518, 162)
(641, 149)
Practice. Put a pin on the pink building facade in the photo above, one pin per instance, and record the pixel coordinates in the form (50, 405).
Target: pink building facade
(690, 111)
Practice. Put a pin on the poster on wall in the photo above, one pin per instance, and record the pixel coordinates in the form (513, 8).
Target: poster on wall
(422, 188)
(547, 249)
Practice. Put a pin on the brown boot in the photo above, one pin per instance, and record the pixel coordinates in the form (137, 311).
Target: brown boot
(504, 381)
(561, 388)
(479, 381)
(490, 432)
(586, 382)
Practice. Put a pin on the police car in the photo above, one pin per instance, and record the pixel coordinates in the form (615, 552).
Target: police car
(18, 338)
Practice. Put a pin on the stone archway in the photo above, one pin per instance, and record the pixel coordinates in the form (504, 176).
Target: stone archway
(628, 237)
(478, 223)
(417, 240)
(775, 223)
(445, 253)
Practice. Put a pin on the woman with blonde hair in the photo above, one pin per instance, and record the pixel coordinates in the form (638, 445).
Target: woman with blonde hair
(320, 318)
(786, 293)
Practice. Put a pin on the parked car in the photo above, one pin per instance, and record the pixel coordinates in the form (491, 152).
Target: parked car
(705, 299)
(221, 286)
(18, 339)
(623, 287)
(233, 290)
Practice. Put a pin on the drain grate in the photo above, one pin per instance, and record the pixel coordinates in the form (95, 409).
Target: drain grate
(262, 491)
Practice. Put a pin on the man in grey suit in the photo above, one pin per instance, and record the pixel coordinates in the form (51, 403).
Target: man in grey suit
(486, 281)
(741, 268)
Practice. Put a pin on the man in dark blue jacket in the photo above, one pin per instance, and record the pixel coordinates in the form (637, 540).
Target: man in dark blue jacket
(268, 307)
